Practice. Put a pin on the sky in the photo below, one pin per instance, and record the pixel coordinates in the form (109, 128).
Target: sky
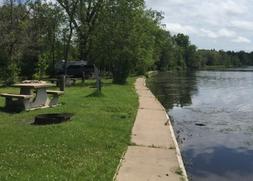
(211, 24)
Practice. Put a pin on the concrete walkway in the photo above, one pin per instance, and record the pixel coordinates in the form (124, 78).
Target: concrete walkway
(154, 154)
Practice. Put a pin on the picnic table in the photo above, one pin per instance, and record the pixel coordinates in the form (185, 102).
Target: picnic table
(33, 95)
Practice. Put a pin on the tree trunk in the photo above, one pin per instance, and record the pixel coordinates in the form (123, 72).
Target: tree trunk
(66, 56)
(83, 46)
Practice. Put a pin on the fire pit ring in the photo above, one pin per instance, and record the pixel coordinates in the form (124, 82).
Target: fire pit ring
(53, 118)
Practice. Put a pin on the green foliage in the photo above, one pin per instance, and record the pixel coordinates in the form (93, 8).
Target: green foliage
(42, 67)
(28, 30)
(10, 74)
(178, 55)
(192, 57)
(120, 37)
(122, 43)
(188, 52)
(225, 59)
(179, 171)
(166, 49)
(182, 40)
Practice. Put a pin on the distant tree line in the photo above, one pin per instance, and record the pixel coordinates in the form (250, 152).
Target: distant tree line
(121, 37)
(226, 58)
(178, 53)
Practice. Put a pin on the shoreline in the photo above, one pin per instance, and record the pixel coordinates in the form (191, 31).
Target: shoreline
(154, 153)
(179, 156)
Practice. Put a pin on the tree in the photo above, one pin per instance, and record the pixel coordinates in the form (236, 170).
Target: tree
(40, 36)
(182, 40)
(192, 58)
(166, 60)
(121, 44)
(83, 14)
(189, 51)
(13, 20)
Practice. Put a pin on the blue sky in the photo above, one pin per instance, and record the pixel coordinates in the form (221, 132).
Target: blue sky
(218, 24)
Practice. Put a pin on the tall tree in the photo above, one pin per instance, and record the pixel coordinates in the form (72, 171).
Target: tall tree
(122, 44)
(83, 14)
(13, 18)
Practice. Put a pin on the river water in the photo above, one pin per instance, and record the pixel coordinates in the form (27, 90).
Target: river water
(212, 113)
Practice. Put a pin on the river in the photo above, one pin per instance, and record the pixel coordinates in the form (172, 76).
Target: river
(212, 115)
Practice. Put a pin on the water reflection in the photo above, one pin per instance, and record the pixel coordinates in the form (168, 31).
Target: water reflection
(222, 101)
(239, 162)
(174, 88)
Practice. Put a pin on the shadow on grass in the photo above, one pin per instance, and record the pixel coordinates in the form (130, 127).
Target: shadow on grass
(11, 111)
(91, 84)
(79, 84)
(3, 86)
(96, 94)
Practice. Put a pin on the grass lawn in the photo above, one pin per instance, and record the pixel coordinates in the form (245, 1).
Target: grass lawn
(87, 148)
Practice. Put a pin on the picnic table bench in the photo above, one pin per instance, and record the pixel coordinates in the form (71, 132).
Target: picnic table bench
(14, 100)
(55, 97)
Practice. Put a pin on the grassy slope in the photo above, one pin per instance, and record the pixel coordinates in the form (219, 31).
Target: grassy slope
(87, 148)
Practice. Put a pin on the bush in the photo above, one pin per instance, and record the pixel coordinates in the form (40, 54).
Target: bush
(42, 67)
(10, 74)
(121, 71)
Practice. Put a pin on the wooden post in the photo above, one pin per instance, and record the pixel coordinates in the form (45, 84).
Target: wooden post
(98, 79)
(83, 77)
(62, 80)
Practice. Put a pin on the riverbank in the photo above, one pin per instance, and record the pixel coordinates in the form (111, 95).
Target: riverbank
(154, 153)
(88, 147)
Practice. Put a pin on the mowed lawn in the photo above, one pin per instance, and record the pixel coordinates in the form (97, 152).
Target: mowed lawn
(88, 147)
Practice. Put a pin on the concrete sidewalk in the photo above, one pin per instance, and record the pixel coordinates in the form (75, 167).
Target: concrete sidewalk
(155, 154)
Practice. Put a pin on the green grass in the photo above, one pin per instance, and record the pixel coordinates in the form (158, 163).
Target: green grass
(87, 148)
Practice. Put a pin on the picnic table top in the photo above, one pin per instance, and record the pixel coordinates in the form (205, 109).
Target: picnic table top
(33, 85)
